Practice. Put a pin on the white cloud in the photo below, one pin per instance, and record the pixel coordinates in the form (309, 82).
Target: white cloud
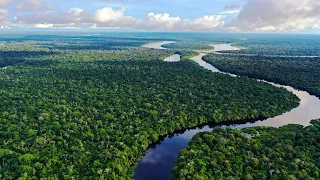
(34, 5)
(166, 22)
(228, 12)
(255, 15)
(208, 23)
(159, 21)
(4, 27)
(76, 11)
(107, 14)
(111, 18)
(277, 15)
(316, 27)
(44, 26)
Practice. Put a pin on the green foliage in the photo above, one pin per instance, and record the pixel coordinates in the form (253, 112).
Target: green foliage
(279, 44)
(191, 45)
(289, 152)
(89, 114)
(301, 73)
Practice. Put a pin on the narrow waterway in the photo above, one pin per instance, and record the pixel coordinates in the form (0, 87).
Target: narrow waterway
(159, 160)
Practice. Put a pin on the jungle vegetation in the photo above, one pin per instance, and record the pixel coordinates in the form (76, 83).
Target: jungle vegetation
(91, 112)
(289, 152)
(298, 72)
(192, 45)
(278, 44)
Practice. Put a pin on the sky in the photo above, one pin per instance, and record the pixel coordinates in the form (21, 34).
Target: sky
(163, 15)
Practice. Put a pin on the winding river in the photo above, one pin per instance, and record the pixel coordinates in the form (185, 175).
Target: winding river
(159, 160)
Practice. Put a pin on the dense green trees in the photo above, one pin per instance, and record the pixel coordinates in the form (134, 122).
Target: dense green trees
(279, 44)
(301, 73)
(88, 114)
(191, 45)
(289, 152)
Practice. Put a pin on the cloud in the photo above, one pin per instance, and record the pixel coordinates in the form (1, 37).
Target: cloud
(232, 6)
(228, 12)
(163, 21)
(159, 21)
(44, 26)
(277, 15)
(3, 19)
(107, 14)
(74, 15)
(33, 5)
(254, 15)
(205, 23)
(111, 18)
(3, 14)
(4, 2)
(74, 18)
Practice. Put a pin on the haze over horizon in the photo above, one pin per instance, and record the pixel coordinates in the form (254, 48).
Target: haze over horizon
(163, 15)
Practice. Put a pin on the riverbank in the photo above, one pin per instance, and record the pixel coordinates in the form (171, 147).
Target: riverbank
(160, 158)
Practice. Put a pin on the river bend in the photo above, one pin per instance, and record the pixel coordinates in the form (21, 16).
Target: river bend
(159, 160)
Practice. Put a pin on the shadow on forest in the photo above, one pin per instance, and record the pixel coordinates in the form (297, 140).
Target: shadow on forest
(9, 58)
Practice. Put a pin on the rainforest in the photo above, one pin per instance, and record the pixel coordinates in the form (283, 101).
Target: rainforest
(75, 106)
(288, 152)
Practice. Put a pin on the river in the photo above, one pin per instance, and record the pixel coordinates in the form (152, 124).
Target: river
(157, 45)
(173, 58)
(159, 160)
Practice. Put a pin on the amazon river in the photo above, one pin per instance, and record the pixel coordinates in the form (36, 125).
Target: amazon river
(159, 160)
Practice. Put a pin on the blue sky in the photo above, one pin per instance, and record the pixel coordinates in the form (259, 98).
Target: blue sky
(163, 15)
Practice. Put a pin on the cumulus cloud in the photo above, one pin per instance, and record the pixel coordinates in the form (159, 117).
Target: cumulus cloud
(163, 21)
(277, 15)
(34, 5)
(74, 18)
(110, 18)
(159, 21)
(254, 15)
(207, 23)
(107, 14)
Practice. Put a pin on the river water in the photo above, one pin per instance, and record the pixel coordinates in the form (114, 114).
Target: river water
(173, 58)
(157, 45)
(159, 160)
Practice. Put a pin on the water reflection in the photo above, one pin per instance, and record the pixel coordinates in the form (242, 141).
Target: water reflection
(198, 59)
(307, 110)
(159, 161)
(224, 47)
(157, 45)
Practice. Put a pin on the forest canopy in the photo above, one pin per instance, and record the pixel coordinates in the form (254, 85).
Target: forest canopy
(91, 112)
(288, 152)
(299, 72)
